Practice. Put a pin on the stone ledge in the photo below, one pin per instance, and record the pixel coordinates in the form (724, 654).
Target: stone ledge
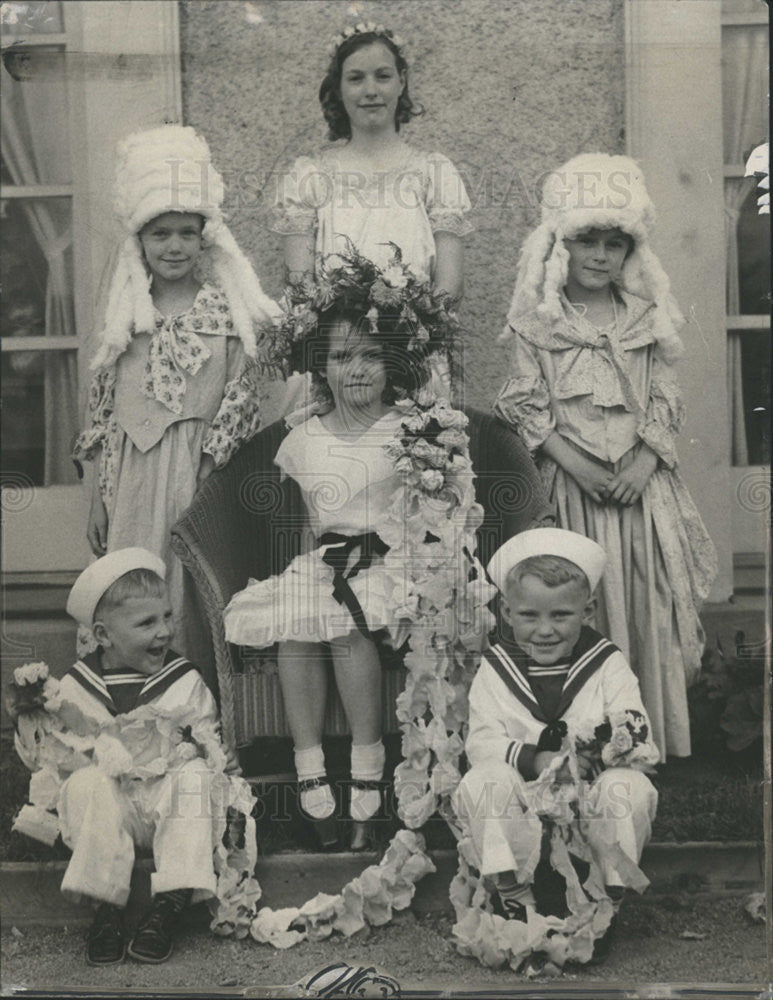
(29, 890)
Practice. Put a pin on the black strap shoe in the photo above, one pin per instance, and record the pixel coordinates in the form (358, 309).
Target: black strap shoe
(106, 944)
(153, 939)
(325, 829)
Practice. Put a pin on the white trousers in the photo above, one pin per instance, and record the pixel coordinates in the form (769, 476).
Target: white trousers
(102, 821)
(492, 804)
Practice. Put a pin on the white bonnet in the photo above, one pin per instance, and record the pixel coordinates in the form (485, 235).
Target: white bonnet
(595, 191)
(166, 169)
(169, 169)
(100, 575)
(579, 549)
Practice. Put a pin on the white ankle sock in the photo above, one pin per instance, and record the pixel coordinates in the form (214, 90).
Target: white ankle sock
(510, 889)
(367, 765)
(317, 802)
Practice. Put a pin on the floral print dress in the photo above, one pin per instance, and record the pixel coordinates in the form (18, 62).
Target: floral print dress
(172, 397)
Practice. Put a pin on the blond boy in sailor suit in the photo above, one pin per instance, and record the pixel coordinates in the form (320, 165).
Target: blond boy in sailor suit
(122, 597)
(558, 670)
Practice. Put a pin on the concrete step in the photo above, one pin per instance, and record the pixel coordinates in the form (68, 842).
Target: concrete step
(29, 891)
(749, 572)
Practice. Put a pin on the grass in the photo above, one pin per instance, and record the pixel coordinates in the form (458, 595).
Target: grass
(717, 798)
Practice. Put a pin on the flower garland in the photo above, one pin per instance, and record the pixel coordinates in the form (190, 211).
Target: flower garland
(574, 827)
(146, 743)
(440, 590)
(440, 593)
(363, 28)
(356, 283)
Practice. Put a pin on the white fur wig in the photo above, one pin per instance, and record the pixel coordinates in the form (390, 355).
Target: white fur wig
(595, 191)
(169, 169)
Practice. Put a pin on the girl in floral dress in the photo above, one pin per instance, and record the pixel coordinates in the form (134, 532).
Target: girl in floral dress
(370, 189)
(592, 330)
(169, 401)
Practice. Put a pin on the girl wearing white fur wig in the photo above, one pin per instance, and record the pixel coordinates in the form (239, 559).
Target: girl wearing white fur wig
(169, 400)
(592, 330)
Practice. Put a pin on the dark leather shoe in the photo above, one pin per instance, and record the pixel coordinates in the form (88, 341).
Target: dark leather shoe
(326, 829)
(153, 939)
(106, 944)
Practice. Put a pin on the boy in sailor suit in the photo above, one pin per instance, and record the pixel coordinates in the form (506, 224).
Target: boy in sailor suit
(557, 673)
(123, 599)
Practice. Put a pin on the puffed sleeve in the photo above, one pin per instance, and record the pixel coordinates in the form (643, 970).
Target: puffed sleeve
(524, 399)
(238, 417)
(101, 407)
(447, 201)
(664, 415)
(298, 195)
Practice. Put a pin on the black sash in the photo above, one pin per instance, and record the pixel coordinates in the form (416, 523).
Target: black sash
(337, 557)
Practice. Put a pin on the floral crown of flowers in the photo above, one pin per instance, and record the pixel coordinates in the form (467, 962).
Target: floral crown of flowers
(363, 28)
(357, 284)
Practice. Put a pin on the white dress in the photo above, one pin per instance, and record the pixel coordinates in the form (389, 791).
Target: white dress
(347, 486)
(405, 205)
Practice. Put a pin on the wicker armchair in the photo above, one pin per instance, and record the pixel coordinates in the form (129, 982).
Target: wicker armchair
(247, 522)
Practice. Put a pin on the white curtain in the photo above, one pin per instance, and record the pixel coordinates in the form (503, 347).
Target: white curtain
(745, 124)
(35, 148)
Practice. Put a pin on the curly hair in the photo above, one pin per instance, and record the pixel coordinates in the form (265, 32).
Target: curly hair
(406, 370)
(339, 126)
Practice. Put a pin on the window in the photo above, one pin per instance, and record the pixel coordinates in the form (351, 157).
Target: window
(39, 342)
(745, 125)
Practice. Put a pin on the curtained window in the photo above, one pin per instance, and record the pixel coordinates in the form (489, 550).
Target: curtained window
(39, 341)
(745, 125)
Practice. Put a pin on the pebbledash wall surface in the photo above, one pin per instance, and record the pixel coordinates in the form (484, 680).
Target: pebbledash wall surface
(511, 88)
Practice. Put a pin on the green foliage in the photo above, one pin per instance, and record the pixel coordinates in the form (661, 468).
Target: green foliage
(727, 702)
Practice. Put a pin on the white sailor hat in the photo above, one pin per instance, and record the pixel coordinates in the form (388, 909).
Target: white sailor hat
(582, 551)
(96, 578)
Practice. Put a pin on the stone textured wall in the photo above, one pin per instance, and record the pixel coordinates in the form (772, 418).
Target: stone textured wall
(511, 88)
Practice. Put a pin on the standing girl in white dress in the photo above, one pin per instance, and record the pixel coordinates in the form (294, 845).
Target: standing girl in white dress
(168, 400)
(592, 392)
(370, 188)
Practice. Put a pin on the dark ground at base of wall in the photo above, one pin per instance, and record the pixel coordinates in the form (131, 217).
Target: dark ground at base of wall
(678, 939)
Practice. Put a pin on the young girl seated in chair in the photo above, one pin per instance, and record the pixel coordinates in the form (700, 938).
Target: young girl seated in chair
(362, 361)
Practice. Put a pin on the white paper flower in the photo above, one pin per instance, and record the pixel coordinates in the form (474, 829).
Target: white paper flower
(30, 673)
(44, 788)
(272, 927)
(395, 277)
(33, 821)
(111, 756)
(51, 694)
(431, 479)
